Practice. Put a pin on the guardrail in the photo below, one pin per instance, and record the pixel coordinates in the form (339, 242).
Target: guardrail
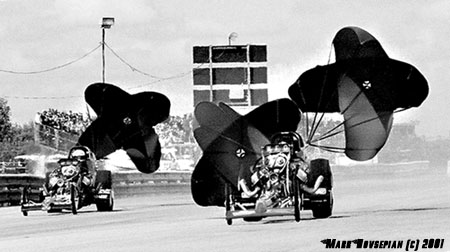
(136, 183)
(124, 184)
(11, 186)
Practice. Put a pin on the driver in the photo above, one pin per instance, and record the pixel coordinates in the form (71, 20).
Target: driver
(86, 167)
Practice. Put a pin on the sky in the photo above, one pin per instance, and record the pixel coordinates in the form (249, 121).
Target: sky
(156, 37)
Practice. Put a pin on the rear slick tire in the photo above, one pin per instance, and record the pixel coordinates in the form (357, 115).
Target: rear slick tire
(323, 211)
(106, 205)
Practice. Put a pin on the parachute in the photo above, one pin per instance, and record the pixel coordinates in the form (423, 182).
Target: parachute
(125, 121)
(365, 86)
(231, 143)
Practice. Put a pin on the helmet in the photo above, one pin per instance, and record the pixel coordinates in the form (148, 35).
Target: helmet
(79, 153)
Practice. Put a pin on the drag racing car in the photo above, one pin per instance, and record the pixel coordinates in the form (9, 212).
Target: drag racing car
(74, 184)
(362, 89)
(282, 182)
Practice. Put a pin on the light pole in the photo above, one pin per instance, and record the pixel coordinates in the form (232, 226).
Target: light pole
(232, 37)
(107, 22)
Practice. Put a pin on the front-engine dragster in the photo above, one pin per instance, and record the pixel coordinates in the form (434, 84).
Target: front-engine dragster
(281, 182)
(75, 183)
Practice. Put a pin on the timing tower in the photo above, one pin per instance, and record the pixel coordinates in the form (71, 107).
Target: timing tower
(234, 74)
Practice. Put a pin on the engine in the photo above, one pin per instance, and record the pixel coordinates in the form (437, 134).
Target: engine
(58, 178)
(273, 172)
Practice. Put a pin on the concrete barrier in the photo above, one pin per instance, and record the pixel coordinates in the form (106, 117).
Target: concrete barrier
(136, 183)
(380, 170)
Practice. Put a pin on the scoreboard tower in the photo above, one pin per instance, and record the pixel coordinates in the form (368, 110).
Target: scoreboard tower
(234, 74)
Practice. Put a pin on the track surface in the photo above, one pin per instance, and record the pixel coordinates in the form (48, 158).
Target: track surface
(396, 206)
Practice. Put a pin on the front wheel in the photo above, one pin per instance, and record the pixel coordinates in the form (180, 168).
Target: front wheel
(296, 185)
(25, 198)
(228, 203)
(74, 199)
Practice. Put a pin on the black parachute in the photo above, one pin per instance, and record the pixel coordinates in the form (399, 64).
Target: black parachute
(364, 85)
(125, 121)
(231, 143)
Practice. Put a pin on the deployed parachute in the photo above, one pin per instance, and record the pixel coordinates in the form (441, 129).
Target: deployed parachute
(125, 121)
(231, 143)
(364, 85)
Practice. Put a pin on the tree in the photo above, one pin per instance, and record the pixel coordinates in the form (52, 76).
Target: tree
(5, 123)
(14, 139)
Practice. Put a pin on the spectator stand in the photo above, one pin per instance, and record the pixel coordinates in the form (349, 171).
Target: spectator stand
(179, 149)
(59, 130)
